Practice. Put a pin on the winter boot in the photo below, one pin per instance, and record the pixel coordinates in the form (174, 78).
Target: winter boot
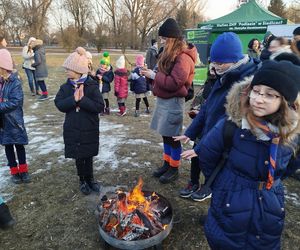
(15, 176)
(6, 220)
(136, 113)
(23, 169)
(160, 171)
(84, 188)
(94, 186)
(106, 111)
(170, 175)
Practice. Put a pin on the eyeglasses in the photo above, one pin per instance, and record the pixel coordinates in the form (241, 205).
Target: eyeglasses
(267, 97)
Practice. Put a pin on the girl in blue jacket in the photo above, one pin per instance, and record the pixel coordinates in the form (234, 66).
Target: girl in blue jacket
(12, 130)
(247, 206)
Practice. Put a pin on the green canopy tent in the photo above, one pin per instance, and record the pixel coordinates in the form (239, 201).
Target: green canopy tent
(249, 21)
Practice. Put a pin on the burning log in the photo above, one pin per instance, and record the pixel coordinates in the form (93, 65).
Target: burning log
(132, 216)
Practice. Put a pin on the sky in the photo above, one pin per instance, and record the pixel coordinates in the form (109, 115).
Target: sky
(218, 8)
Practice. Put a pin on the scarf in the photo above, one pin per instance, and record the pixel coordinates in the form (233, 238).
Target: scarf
(76, 83)
(263, 126)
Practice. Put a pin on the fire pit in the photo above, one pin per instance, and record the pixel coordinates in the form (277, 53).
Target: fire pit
(135, 220)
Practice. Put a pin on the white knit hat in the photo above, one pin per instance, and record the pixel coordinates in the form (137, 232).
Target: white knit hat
(120, 63)
(77, 61)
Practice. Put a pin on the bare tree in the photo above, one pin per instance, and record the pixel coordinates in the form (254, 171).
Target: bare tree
(80, 11)
(35, 15)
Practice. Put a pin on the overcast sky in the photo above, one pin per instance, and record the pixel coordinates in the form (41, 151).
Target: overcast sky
(218, 8)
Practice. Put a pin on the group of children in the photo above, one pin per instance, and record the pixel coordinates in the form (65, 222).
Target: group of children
(105, 75)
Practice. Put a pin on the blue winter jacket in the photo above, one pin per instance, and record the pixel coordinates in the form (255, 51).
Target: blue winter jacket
(139, 84)
(243, 214)
(214, 109)
(106, 79)
(12, 130)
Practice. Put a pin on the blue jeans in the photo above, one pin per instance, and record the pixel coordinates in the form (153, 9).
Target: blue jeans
(31, 78)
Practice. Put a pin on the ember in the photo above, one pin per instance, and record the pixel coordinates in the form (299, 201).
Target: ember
(132, 216)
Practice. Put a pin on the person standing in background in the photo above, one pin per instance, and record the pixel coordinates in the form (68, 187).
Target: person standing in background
(41, 70)
(28, 57)
(151, 55)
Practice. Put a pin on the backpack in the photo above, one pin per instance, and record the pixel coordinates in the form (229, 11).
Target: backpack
(228, 132)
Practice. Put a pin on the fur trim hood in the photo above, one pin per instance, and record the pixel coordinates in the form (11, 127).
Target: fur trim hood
(37, 42)
(233, 100)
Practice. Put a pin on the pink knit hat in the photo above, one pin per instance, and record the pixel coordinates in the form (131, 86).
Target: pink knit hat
(77, 61)
(140, 61)
(6, 60)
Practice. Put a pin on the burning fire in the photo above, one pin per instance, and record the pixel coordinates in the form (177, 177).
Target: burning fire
(132, 216)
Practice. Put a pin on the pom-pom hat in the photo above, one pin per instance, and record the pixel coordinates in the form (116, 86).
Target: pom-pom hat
(6, 60)
(77, 61)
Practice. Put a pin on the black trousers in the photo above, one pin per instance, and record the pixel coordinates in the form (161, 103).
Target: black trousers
(11, 157)
(84, 167)
(195, 169)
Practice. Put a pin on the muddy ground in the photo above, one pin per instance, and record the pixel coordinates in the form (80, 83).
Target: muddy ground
(51, 212)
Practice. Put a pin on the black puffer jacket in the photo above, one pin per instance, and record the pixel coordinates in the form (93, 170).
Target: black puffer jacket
(81, 127)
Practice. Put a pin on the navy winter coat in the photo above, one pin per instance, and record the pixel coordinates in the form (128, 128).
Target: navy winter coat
(138, 82)
(243, 214)
(12, 130)
(213, 109)
(81, 129)
(106, 79)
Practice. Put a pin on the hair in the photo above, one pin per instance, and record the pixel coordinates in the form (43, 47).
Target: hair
(5, 73)
(281, 40)
(172, 48)
(251, 42)
(285, 118)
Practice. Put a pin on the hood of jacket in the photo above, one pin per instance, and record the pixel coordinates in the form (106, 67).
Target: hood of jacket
(191, 51)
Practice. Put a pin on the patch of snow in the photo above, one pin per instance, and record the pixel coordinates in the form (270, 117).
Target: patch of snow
(34, 106)
(137, 141)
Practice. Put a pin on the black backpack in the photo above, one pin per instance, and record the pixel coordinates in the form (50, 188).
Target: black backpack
(228, 132)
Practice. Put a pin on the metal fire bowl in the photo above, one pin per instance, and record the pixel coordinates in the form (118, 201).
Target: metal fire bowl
(145, 243)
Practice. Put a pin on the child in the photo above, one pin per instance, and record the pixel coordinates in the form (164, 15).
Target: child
(139, 85)
(121, 85)
(6, 220)
(105, 76)
(247, 206)
(90, 61)
(12, 130)
(81, 100)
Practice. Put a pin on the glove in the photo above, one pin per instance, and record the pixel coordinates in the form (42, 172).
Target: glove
(116, 93)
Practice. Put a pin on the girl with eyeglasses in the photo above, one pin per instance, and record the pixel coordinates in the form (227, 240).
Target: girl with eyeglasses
(247, 207)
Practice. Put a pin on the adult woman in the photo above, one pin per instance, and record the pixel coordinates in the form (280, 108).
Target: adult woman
(254, 48)
(175, 74)
(28, 56)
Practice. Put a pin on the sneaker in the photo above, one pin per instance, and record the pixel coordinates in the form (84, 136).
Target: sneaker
(84, 188)
(32, 93)
(43, 98)
(160, 171)
(188, 190)
(6, 220)
(202, 194)
(136, 113)
(170, 175)
(25, 177)
(94, 186)
(147, 111)
(16, 178)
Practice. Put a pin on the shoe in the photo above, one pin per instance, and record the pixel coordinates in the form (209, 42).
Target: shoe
(188, 190)
(94, 186)
(43, 98)
(170, 175)
(32, 93)
(6, 220)
(106, 111)
(160, 171)
(136, 113)
(84, 188)
(147, 111)
(25, 177)
(202, 194)
(16, 178)
(37, 93)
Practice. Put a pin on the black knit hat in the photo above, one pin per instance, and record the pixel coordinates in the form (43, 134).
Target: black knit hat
(296, 31)
(170, 29)
(282, 76)
(286, 56)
